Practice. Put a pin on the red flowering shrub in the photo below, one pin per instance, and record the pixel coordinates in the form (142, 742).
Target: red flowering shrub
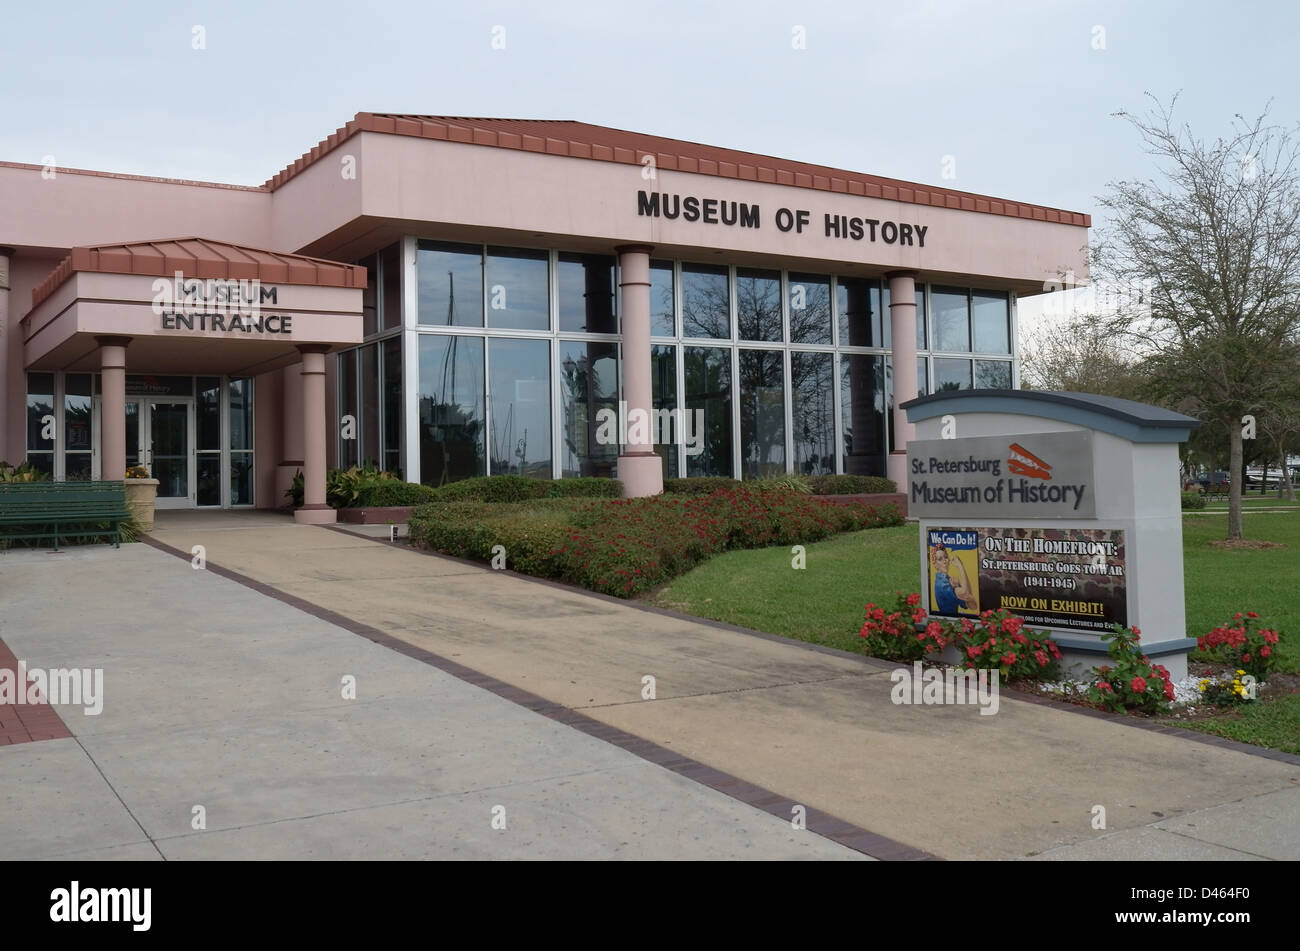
(1133, 682)
(999, 641)
(626, 546)
(898, 634)
(1243, 644)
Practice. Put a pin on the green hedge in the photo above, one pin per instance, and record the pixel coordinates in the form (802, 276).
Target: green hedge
(698, 485)
(820, 485)
(851, 485)
(1193, 501)
(377, 494)
(626, 546)
(510, 488)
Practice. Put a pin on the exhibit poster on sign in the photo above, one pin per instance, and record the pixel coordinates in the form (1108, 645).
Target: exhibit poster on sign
(1065, 578)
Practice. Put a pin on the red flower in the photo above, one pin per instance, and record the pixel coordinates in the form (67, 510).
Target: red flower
(913, 599)
(1008, 659)
(1102, 685)
(1265, 651)
(1137, 634)
(1169, 690)
(1251, 614)
(1138, 685)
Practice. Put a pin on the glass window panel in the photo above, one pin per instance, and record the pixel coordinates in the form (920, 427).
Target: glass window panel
(920, 317)
(992, 374)
(588, 386)
(758, 304)
(991, 315)
(370, 296)
(810, 308)
(663, 372)
(349, 445)
(706, 304)
(76, 412)
(42, 462)
(858, 304)
(241, 478)
(708, 396)
(76, 467)
(762, 413)
(451, 408)
(951, 374)
(812, 398)
(587, 293)
(391, 293)
(208, 491)
(450, 279)
(40, 404)
(518, 294)
(207, 414)
(862, 407)
(950, 314)
(241, 413)
(145, 384)
(132, 433)
(169, 439)
(392, 447)
(520, 389)
(661, 299)
(922, 377)
(370, 405)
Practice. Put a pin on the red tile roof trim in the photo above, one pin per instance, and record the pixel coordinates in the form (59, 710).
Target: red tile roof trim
(203, 259)
(603, 144)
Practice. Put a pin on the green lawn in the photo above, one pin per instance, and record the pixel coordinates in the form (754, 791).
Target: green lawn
(1220, 582)
(824, 602)
(1275, 724)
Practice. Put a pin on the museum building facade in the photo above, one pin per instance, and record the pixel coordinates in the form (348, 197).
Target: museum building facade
(450, 297)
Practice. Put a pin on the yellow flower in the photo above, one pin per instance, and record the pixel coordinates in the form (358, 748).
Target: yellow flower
(1240, 672)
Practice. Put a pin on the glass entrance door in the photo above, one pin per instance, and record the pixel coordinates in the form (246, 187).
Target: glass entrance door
(170, 450)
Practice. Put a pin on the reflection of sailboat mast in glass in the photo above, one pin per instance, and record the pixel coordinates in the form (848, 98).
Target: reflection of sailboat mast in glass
(448, 369)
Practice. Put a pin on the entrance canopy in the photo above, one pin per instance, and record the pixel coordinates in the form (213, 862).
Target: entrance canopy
(192, 305)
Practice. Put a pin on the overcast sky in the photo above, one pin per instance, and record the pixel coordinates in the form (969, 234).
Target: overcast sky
(1019, 93)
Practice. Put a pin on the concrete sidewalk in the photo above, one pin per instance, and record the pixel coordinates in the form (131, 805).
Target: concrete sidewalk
(816, 727)
(223, 702)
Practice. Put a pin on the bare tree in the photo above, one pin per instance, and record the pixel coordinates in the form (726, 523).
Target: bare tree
(1214, 242)
(1079, 354)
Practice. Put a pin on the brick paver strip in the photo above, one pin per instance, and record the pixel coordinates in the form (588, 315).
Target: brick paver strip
(817, 822)
(26, 722)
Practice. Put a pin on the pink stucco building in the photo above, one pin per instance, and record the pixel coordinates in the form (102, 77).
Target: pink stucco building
(451, 297)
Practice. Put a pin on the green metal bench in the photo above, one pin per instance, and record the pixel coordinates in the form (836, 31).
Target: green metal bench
(63, 510)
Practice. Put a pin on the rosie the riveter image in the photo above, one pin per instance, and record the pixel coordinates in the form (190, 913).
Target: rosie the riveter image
(953, 592)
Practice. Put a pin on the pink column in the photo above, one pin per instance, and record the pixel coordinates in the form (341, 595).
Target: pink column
(314, 510)
(639, 467)
(112, 407)
(902, 323)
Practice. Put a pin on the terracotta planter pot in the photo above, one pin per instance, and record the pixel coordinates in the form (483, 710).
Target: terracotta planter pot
(141, 497)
